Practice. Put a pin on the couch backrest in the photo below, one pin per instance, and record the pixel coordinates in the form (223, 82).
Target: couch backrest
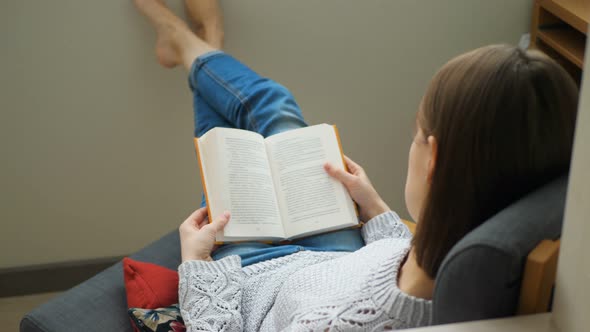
(480, 277)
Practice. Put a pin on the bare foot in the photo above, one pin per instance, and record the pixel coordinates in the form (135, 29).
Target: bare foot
(166, 52)
(176, 43)
(169, 29)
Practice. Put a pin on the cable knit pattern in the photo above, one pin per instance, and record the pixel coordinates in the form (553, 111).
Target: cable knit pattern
(210, 294)
(307, 291)
(385, 226)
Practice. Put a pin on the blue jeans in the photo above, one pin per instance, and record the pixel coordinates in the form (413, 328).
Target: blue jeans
(228, 94)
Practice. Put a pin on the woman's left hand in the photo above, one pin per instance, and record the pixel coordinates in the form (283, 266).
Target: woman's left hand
(197, 235)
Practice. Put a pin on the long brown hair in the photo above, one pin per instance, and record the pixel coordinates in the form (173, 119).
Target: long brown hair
(504, 122)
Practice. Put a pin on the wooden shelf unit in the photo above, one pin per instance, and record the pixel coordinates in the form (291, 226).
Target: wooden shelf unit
(559, 28)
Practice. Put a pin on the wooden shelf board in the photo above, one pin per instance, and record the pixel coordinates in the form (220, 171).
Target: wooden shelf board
(574, 12)
(573, 70)
(566, 42)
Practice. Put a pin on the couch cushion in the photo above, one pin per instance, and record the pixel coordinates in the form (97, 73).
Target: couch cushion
(480, 277)
(159, 319)
(149, 286)
(99, 304)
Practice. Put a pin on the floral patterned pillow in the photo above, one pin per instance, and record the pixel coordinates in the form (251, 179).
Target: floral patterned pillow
(165, 319)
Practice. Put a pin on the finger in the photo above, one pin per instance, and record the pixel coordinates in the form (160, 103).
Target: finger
(219, 223)
(352, 166)
(338, 173)
(199, 215)
(203, 222)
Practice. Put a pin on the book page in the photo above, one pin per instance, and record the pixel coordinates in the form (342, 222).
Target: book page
(310, 200)
(238, 179)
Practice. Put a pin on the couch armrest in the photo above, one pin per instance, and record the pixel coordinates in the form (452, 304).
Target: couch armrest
(100, 303)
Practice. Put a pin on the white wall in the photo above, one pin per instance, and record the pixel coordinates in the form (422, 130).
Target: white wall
(97, 156)
(573, 274)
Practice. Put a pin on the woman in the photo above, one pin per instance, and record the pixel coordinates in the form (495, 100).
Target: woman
(494, 124)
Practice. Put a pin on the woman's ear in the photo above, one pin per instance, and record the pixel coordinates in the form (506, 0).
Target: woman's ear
(433, 150)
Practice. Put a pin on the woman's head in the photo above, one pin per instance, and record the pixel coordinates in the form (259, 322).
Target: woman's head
(494, 124)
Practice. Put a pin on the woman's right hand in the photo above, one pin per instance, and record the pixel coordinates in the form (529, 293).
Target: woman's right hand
(360, 188)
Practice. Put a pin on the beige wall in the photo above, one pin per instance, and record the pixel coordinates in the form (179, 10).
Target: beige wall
(573, 276)
(97, 157)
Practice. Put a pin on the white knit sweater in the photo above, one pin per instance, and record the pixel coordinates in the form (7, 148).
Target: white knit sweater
(307, 291)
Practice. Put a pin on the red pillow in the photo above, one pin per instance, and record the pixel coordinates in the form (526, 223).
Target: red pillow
(149, 286)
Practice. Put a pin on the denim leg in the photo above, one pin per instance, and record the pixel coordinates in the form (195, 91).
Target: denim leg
(343, 240)
(229, 94)
(242, 97)
(254, 252)
(205, 117)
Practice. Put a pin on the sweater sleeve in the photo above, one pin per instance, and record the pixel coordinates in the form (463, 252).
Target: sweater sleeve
(210, 294)
(383, 226)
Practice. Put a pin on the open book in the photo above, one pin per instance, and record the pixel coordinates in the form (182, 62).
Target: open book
(275, 188)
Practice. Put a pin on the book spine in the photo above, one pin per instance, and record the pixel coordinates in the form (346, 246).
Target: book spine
(202, 172)
(356, 209)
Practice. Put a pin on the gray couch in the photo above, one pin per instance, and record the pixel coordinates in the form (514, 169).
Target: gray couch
(480, 277)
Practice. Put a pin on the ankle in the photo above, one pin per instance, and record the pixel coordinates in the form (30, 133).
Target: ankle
(214, 37)
(211, 32)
